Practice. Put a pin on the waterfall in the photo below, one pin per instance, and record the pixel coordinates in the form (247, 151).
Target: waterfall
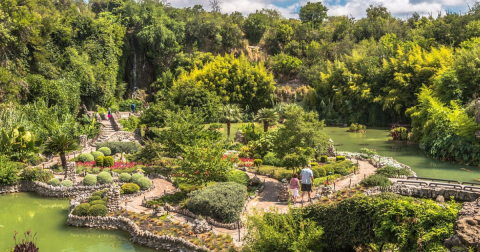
(134, 67)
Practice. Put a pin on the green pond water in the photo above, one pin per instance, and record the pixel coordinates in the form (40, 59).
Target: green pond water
(377, 138)
(47, 217)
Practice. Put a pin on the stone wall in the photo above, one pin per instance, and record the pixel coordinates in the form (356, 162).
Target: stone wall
(51, 191)
(144, 238)
(426, 192)
(114, 121)
(124, 136)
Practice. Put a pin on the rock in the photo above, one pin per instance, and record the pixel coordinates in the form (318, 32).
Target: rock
(255, 181)
(440, 199)
(283, 195)
(467, 228)
(239, 136)
(331, 149)
(201, 226)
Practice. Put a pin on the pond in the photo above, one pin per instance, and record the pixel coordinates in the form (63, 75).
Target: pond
(377, 138)
(47, 217)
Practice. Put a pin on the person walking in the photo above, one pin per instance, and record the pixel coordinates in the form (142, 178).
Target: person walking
(294, 185)
(306, 175)
(109, 113)
(133, 107)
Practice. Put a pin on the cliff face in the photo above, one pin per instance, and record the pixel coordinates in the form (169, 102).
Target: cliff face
(139, 72)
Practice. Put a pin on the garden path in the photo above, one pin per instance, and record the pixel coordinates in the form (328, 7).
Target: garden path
(365, 169)
(161, 185)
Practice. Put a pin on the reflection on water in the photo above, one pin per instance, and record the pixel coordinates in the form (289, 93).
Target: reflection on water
(47, 217)
(377, 138)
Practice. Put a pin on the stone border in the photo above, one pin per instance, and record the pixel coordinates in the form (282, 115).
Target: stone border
(382, 162)
(144, 238)
(51, 191)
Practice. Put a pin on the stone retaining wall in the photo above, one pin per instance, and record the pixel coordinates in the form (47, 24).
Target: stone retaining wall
(426, 192)
(144, 238)
(51, 191)
(124, 136)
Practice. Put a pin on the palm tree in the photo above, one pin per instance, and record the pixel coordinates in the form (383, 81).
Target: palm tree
(267, 116)
(229, 113)
(61, 144)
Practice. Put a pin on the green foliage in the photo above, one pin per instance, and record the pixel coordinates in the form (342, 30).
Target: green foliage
(136, 177)
(8, 172)
(239, 177)
(130, 188)
(340, 158)
(81, 210)
(323, 159)
(221, 201)
(293, 161)
(98, 202)
(36, 174)
(130, 124)
(94, 198)
(124, 177)
(85, 157)
(99, 161)
(99, 193)
(108, 161)
(268, 116)
(119, 147)
(155, 115)
(98, 210)
(89, 180)
(313, 12)
(356, 127)
(104, 178)
(144, 183)
(367, 153)
(399, 134)
(282, 232)
(105, 150)
(285, 65)
(19, 144)
(96, 154)
(376, 180)
(257, 162)
(250, 132)
(321, 172)
(171, 199)
(385, 218)
(124, 106)
(271, 159)
(54, 182)
(392, 172)
(66, 183)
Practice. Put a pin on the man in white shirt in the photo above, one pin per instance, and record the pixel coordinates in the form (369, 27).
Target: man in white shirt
(306, 176)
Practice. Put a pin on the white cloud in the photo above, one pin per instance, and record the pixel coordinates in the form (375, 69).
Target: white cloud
(355, 8)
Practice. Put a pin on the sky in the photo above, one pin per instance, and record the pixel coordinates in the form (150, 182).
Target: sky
(355, 8)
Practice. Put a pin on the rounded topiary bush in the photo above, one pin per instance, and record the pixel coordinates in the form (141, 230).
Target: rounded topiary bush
(130, 188)
(93, 198)
(376, 180)
(257, 162)
(144, 183)
(124, 177)
(98, 210)
(96, 154)
(90, 180)
(99, 161)
(81, 210)
(105, 150)
(54, 182)
(85, 157)
(136, 177)
(67, 183)
(108, 162)
(321, 171)
(99, 193)
(340, 158)
(104, 178)
(97, 202)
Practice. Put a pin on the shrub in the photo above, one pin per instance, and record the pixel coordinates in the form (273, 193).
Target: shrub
(119, 147)
(90, 180)
(391, 172)
(96, 202)
(98, 210)
(329, 168)
(108, 161)
(323, 159)
(340, 158)
(36, 174)
(239, 177)
(124, 177)
(315, 173)
(257, 162)
(96, 170)
(367, 153)
(124, 106)
(314, 164)
(130, 188)
(272, 159)
(144, 183)
(67, 183)
(54, 182)
(104, 178)
(136, 177)
(85, 157)
(81, 210)
(399, 134)
(356, 127)
(284, 174)
(93, 198)
(320, 171)
(257, 156)
(222, 201)
(376, 180)
(99, 193)
(96, 154)
(99, 160)
(105, 150)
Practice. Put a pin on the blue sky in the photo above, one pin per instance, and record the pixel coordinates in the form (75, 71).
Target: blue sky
(355, 8)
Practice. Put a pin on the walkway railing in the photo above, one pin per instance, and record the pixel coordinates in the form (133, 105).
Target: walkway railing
(433, 179)
(466, 186)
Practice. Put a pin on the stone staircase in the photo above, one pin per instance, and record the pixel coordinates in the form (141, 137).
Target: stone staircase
(107, 131)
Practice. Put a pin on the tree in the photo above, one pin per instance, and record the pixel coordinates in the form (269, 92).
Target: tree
(302, 134)
(313, 12)
(229, 113)
(204, 162)
(268, 117)
(215, 4)
(61, 144)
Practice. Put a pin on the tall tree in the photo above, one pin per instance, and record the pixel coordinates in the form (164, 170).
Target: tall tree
(267, 117)
(313, 12)
(229, 113)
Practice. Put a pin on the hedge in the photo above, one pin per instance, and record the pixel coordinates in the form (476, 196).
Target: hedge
(93, 198)
(323, 159)
(104, 178)
(98, 210)
(105, 150)
(119, 147)
(124, 177)
(340, 158)
(96, 202)
(376, 180)
(85, 157)
(90, 180)
(81, 210)
(130, 188)
(108, 161)
(222, 201)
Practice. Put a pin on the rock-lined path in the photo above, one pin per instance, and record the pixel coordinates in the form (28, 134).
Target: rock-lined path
(161, 185)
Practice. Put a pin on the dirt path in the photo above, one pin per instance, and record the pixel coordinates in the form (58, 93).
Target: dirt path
(161, 185)
(365, 169)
